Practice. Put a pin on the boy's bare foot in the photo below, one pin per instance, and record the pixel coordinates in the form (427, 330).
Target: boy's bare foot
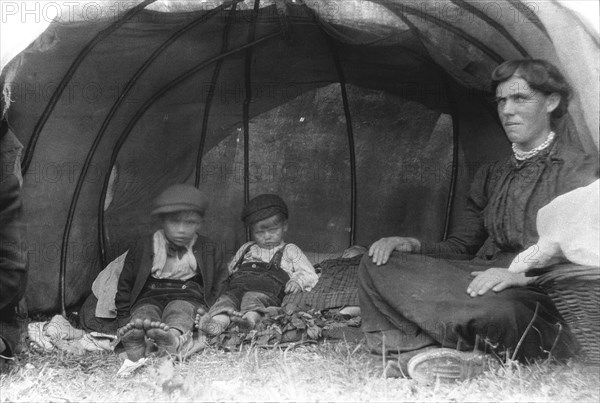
(165, 337)
(200, 312)
(247, 321)
(213, 326)
(133, 338)
(234, 314)
(134, 324)
(148, 324)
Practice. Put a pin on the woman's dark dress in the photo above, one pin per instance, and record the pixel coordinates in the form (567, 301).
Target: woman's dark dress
(416, 300)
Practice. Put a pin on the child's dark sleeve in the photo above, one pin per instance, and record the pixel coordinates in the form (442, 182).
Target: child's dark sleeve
(125, 284)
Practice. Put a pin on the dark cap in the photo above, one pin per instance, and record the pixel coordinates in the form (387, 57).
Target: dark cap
(263, 206)
(180, 197)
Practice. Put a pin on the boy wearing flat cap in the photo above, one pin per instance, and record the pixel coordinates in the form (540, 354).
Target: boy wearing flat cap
(262, 271)
(168, 276)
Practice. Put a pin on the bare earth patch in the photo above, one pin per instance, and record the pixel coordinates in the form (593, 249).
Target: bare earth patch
(310, 372)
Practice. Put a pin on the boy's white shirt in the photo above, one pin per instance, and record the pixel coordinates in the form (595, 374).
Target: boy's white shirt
(293, 261)
(178, 269)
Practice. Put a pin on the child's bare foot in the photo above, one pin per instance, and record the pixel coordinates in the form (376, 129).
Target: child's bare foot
(234, 314)
(245, 321)
(134, 324)
(148, 324)
(165, 337)
(213, 325)
(133, 338)
(200, 312)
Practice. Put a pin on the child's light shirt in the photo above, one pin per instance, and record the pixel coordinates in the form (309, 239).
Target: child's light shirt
(172, 267)
(293, 261)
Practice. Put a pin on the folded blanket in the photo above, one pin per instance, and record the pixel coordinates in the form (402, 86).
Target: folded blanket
(337, 287)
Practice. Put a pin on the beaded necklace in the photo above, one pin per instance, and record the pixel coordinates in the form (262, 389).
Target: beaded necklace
(523, 155)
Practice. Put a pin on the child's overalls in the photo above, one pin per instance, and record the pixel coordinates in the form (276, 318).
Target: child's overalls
(267, 278)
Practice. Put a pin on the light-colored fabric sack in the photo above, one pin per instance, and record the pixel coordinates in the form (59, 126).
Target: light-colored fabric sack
(105, 288)
(569, 230)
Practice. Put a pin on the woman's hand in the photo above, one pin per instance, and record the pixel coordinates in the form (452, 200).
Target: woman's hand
(292, 287)
(495, 279)
(381, 250)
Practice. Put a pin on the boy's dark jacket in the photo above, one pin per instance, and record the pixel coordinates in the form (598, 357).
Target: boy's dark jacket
(138, 264)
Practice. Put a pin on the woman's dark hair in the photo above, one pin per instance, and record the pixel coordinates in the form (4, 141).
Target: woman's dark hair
(541, 75)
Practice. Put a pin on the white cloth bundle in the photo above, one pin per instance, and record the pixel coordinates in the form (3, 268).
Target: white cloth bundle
(569, 230)
(105, 288)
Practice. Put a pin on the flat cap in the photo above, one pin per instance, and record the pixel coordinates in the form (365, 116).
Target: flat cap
(180, 197)
(263, 206)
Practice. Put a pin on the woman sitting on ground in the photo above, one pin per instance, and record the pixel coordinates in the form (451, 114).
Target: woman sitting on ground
(414, 299)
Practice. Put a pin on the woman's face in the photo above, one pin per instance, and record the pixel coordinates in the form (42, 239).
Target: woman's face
(524, 112)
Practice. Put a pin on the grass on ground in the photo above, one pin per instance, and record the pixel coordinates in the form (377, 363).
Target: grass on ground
(329, 371)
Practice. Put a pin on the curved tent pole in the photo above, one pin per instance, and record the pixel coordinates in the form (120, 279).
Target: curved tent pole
(350, 132)
(530, 15)
(210, 95)
(246, 106)
(455, 145)
(497, 26)
(155, 97)
(401, 9)
(130, 84)
(28, 154)
(88, 160)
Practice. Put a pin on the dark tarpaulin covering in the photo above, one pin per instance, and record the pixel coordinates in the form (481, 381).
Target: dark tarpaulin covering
(409, 102)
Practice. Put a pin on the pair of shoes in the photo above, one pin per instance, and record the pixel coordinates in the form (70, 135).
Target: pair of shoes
(446, 365)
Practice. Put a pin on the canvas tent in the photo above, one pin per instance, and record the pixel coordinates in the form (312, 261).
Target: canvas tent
(368, 117)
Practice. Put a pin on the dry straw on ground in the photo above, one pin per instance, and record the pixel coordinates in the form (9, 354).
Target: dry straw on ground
(328, 371)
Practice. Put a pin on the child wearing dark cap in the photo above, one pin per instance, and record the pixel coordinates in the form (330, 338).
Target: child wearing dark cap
(168, 276)
(262, 271)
